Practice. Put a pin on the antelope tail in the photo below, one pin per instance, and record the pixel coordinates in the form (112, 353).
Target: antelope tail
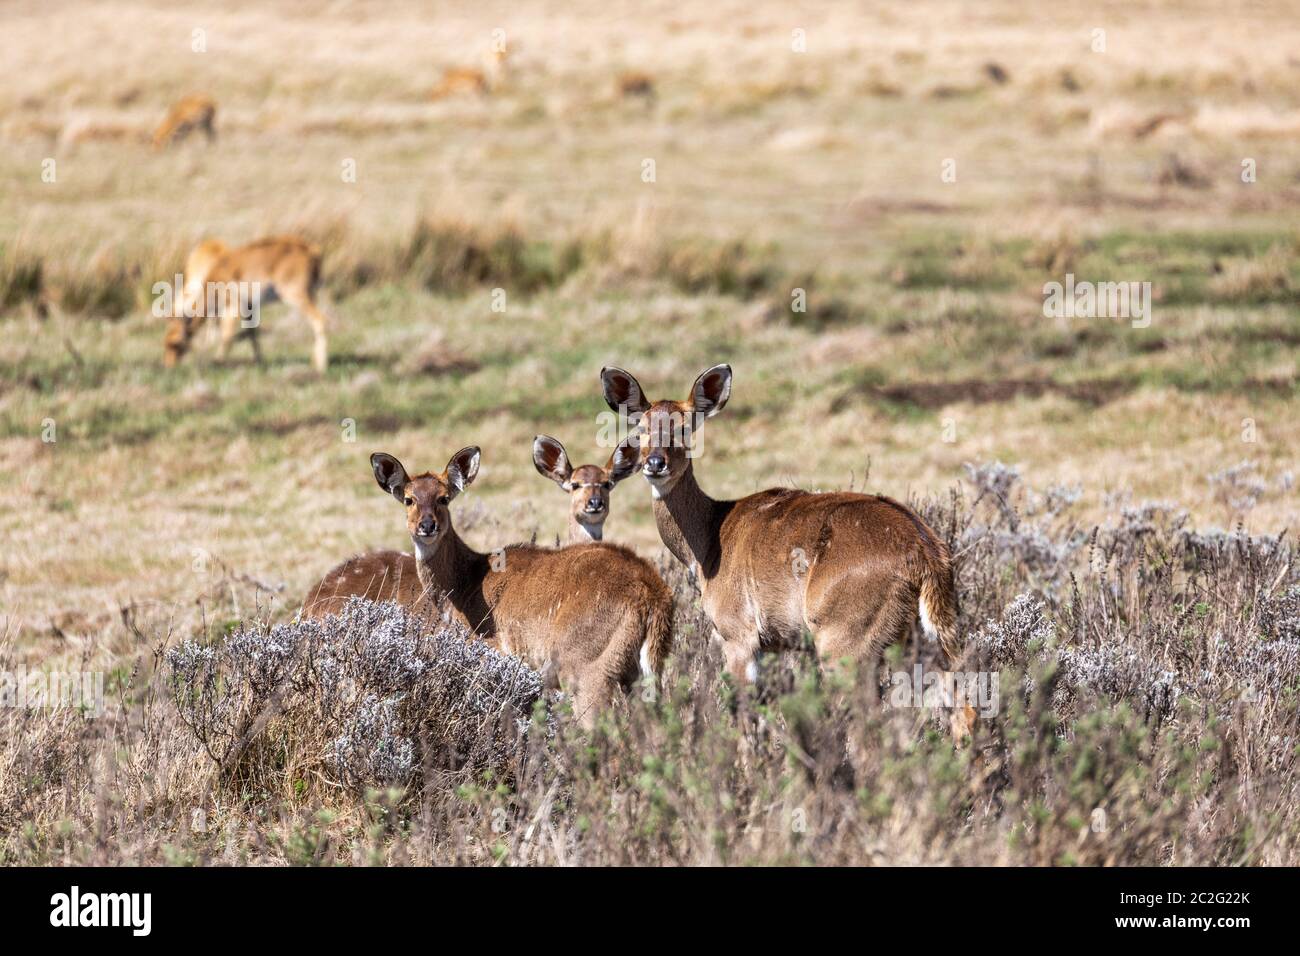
(938, 605)
(658, 641)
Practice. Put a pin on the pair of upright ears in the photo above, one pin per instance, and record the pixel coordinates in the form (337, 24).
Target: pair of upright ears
(708, 395)
(623, 393)
(552, 461)
(456, 477)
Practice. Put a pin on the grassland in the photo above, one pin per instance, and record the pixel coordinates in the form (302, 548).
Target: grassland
(173, 503)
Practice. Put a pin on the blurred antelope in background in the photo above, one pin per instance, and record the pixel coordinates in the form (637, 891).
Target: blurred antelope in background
(589, 486)
(594, 616)
(852, 569)
(458, 80)
(188, 114)
(220, 278)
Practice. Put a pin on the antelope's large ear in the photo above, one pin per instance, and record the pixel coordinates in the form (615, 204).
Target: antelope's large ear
(390, 474)
(624, 459)
(461, 470)
(622, 392)
(550, 459)
(711, 390)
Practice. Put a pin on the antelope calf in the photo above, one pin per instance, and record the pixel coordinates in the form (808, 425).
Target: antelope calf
(852, 569)
(594, 615)
(220, 279)
(187, 115)
(589, 486)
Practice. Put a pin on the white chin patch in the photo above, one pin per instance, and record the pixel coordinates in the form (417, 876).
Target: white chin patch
(658, 485)
(424, 546)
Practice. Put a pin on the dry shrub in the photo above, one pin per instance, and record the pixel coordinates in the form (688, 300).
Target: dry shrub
(367, 698)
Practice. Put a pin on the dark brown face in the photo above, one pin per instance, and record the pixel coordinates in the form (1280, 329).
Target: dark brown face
(426, 497)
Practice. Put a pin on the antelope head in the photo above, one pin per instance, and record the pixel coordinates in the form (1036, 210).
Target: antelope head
(666, 429)
(589, 486)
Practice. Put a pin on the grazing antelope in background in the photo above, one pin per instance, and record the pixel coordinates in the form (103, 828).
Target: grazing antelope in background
(589, 486)
(594, 615)
(852, 569)
(634, 85)
(188, 114)
(464, 79)
(282, 267)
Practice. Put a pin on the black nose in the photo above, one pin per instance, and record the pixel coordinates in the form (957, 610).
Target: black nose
(427, 527)
(595, 504)
(655, 464)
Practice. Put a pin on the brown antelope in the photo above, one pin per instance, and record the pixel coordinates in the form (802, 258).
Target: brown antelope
(375, 576)
(589, 486)
(220, 278)
(458, 80)
(187, 115)
(851, 569)
(635, 85)
(595, 616)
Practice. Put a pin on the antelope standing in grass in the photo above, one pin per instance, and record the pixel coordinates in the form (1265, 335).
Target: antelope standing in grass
(458, 80)
(188, 114)
(595, 616)
(221, 279)
(589, 486)
(852, 569)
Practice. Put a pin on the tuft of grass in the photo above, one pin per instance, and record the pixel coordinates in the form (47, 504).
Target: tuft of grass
(22, 278)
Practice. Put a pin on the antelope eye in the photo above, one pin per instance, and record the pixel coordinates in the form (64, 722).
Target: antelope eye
(408, 501)
(444, 500)
(608, 485)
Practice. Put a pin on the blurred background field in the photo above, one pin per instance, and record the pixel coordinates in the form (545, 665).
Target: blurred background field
(923, 346)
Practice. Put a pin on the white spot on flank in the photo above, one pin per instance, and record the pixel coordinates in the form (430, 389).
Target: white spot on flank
(751, 672)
